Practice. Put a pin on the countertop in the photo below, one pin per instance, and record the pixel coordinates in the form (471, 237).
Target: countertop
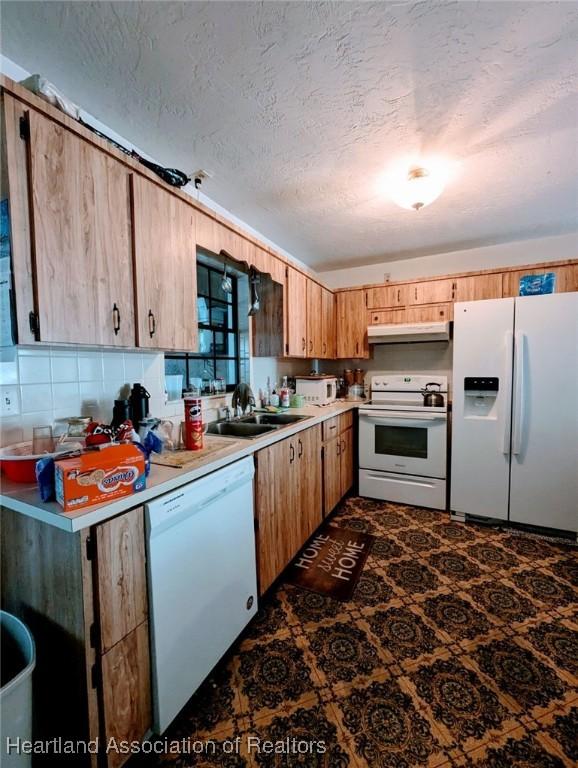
(24, 498)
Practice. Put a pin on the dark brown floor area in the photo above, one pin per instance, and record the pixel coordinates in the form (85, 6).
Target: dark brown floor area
(459, 647)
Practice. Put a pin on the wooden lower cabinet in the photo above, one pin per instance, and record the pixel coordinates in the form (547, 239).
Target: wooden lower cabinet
(308, 467)
(331, 474)
(288, 501)
(338, 461)
(346, 461)
(126, 691)
(84, 597)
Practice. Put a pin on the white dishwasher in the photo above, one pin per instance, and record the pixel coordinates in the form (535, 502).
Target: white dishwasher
(202, 580)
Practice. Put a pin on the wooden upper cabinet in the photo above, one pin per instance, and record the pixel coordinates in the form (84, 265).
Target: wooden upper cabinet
(314, 320)
(296, 312)
(566, 279)
(430, 292)
(327, 324)
(351, 315)
(476, 287)
(81, 239)
(206, 232)
(267, 324)
(165, 268)
(387, 296)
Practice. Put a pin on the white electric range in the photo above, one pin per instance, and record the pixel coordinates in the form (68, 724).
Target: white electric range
(402, 442)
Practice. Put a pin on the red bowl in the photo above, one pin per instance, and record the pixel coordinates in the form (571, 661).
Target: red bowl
(21, 471)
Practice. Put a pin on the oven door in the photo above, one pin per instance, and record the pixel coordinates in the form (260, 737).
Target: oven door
(397, 441)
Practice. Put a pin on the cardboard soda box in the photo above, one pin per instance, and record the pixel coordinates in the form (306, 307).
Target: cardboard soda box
(96, 477)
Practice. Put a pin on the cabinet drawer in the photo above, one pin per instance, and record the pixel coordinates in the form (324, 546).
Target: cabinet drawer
(386, 316)
(430, 313)
(330, 428)
(345, 421)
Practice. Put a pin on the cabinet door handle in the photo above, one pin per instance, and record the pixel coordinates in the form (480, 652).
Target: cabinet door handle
(300, 448)
(324, 348)
(398, 296)
(311, 345)
(291, 453)
(152, 323)
(338, 447)
(415, 293)
(343, 446)
(303, 344)
(115, 319)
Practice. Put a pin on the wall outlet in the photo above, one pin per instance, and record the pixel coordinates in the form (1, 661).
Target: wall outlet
(9, 405)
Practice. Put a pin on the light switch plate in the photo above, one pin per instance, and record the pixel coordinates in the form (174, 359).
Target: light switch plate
(9, 405)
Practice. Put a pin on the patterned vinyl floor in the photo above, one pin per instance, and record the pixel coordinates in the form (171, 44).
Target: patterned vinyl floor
(458, 648)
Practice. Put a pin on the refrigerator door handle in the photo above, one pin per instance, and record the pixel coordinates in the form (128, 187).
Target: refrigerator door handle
(507, 414)
(519, 395)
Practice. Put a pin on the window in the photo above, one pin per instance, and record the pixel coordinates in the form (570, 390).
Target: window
(219, 338)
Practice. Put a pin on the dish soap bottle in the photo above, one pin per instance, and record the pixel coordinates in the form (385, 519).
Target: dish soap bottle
(285, 394)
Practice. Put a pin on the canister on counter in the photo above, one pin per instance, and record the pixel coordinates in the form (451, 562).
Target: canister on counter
(193, 424)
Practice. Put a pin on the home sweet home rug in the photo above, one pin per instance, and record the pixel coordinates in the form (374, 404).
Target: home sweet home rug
(331, 562)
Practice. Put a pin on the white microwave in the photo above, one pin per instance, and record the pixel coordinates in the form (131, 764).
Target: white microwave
(317, 390)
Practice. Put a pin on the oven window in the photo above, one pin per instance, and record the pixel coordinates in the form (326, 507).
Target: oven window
(401, 441)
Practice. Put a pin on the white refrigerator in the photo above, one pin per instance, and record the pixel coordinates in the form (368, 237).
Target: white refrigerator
(515, 410)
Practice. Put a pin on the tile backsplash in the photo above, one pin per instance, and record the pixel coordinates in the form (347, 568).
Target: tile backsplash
(48, 385)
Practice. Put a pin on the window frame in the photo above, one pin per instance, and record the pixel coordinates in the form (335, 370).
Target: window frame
(213, 357)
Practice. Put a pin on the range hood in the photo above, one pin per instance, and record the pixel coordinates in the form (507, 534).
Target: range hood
(396, 334)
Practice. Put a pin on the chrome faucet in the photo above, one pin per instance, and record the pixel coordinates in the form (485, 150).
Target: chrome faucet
(225, 413)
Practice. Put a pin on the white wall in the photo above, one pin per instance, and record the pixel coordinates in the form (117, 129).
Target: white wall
(505, 255)
(427, 357)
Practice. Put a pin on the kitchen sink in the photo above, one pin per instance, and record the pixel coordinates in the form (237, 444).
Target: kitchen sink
(239, 429)
(278, 419)
(254, 425)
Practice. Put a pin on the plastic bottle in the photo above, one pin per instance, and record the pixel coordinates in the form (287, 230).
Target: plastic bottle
(274, 399)
(285, 394)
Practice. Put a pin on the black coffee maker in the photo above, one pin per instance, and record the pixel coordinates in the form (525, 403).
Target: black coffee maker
(138, 404)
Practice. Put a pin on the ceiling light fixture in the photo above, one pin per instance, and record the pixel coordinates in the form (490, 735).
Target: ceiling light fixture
(420, 188)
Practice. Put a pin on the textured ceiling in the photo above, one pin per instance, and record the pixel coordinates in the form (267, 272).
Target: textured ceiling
(299, 107)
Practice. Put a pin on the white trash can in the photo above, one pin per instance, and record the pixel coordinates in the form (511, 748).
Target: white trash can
(18, 662)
